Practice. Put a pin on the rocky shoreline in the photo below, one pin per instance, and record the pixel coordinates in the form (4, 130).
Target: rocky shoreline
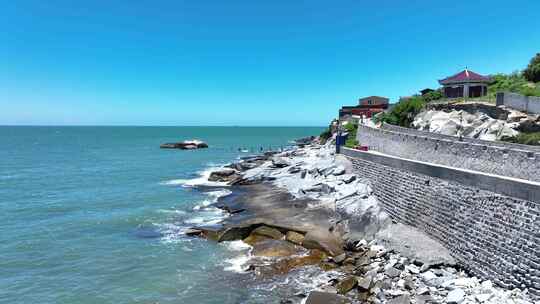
(306, 208)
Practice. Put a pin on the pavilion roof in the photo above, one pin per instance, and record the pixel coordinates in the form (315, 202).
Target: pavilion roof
(464, 76)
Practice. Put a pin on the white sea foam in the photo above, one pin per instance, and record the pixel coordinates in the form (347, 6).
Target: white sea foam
(237, 263)
(208, 216)
(201, 180)
(173, 211)
(219, 193)
(170, 232)
(237, 246)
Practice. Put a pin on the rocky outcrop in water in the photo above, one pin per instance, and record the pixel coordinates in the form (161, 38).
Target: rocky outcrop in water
(185, 145)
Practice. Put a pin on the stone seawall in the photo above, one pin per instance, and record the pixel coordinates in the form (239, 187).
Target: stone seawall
(499, 144)
(494, 236)
(492, 159)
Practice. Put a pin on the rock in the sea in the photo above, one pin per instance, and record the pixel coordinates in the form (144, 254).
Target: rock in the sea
(185, 145)
(346, 284)
(234, 233)
(193, 232)
(323, 240)
(272, 233)
(209, 232)
(294, 237)
(224, 175)
(274, 248)
(319, 297)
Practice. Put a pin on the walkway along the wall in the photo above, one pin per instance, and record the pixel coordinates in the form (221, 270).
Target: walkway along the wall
(490, 224)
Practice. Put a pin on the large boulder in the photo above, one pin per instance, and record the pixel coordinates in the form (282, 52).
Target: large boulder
(323, 240)
(224, 175)
(275, 248)
(269, 232)
(234, 233)
(284, 265)
(319, 297)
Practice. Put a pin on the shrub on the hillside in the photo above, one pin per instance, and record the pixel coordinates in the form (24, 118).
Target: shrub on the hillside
(525, 138)
(351, 141)
(435, 95)
(515, 82)
(404, 112)
(532, 72)
(325, 135)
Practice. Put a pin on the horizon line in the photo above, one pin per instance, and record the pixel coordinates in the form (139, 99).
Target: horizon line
(176, 126)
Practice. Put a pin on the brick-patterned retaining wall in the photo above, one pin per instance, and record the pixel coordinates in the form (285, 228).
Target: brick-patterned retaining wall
(494, 236)
(479, 157)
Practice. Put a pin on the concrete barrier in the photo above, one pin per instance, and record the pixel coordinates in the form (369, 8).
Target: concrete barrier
(529, 104)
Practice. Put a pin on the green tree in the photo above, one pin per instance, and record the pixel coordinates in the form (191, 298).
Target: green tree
(403, 113)
(532, 72)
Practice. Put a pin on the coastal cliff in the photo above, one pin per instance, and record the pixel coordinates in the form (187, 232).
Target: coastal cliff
(307, 209)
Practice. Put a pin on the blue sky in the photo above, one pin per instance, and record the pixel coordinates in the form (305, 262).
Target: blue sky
(239, 62)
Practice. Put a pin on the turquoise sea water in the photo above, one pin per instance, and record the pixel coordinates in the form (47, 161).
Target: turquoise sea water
(95, 215)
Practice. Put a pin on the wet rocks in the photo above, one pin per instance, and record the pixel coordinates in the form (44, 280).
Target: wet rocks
(285, 264)
(224, 175)
(234, 233)
(274, 248)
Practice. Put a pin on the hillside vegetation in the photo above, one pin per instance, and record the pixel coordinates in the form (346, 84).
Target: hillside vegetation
(526, 82)
(403, 113)
(515, 82)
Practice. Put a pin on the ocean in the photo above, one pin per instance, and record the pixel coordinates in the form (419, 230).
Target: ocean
(96, 215)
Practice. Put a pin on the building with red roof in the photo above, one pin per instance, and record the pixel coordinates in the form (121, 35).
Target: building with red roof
(367, 106)
(465, 84)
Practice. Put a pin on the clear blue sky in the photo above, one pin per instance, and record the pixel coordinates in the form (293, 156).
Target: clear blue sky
(240, 62)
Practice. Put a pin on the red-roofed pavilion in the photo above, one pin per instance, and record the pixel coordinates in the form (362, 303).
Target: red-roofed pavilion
(465, 84)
